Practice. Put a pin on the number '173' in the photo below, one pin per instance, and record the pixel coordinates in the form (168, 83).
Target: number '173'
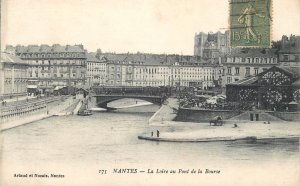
(102, 171)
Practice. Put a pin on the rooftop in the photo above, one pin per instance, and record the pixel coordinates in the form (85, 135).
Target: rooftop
(157, 59)
(91, 57)
(246, 81)
(252, 52)
(45, 48)
(9, 58)
(294, 71)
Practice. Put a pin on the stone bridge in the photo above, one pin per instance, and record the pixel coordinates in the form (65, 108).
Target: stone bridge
(104, 95)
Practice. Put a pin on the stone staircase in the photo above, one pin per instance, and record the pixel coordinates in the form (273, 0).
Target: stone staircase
(166, 112)
(262, 116)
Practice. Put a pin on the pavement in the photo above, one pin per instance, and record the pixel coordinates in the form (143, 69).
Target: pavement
(175, 131)
(202, 132)
(56, 108)
(165, 113)
(18, 100)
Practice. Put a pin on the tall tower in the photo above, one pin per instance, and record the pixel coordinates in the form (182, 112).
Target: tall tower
(209, 45)
(199, 42)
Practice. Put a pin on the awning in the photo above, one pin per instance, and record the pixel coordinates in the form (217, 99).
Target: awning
(31, 86)
(293, 103)
(59, 87)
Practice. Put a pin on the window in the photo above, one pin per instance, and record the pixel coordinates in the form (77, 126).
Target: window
(247, 71)
(256, 71)
(297, 57)
(285, 57)
(264, 60)
(237, 70)
(229, 70)
(228, 79)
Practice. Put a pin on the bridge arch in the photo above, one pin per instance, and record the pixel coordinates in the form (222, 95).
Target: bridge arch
(103, 100)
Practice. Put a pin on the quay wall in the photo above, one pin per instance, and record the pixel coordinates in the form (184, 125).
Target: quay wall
(201, 115)
(17, 112)
(287, 116)
(6, 96)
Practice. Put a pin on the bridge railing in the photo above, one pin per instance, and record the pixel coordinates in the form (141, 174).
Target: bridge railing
(147, 91)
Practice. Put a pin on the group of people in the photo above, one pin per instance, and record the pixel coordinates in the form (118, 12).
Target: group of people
(157, 133)
(3, 103)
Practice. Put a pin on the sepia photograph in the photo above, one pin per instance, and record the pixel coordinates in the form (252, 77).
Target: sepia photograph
(150, 93)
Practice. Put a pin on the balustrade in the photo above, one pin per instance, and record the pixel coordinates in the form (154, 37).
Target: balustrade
(20, 111)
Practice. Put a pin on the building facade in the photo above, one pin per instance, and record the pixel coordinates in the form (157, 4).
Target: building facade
(96, 70)
(13, 76)
(160, 70)
(289, 54)
(243, 63)
(53, 67)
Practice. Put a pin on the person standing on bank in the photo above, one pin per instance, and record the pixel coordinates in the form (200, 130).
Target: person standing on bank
(157, 133)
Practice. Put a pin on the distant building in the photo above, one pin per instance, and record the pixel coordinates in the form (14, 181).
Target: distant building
(96, 72)
(119, 70)
(159, 70)
(53, 67)
(211, 45)
(13, 76)
(289, 54)
(243, 63)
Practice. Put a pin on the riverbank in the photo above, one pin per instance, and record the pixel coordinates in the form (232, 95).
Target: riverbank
(56, 108)
(202, 132)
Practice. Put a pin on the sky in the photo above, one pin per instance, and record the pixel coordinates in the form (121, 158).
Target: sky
(151, 26)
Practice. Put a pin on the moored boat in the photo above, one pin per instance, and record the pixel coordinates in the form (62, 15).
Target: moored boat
(84, 113)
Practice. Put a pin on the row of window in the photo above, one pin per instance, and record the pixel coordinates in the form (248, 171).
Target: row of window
(251, 60)
(54, 75)
(237, 70)
(289, 57)
(55, 55)
(157, 70)
(56, 62)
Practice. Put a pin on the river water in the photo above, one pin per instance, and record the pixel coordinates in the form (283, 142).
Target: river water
(80, 146)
